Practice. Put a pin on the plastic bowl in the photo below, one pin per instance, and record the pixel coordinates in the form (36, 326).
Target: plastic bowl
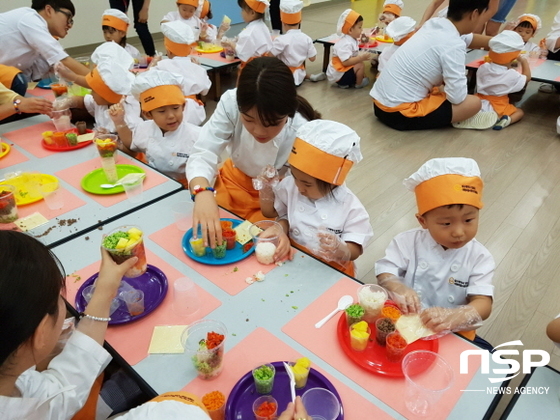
(320, 402)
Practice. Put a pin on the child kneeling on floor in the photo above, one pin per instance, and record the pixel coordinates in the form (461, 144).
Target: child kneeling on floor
(440, 270)
(496, 79)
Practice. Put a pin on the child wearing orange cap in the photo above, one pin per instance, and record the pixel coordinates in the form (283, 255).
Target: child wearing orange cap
(186, 13)
(392, 9)
(178, 40)
(400, 31)
(317, 211)
(293, 47)
(115, 24)
(166, 138)
(440, 270)
(210, 33)
(527, 26)
(255, 40)
(497, 79)
(346, 67)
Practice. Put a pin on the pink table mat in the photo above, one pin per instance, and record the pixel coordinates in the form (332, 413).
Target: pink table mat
(215, 56)
(533, 64)
(557, 79)
(324, 343)
(13, 157)
(262, 347)
(74, 175)
(71, 202)
(170, 238)
(133, 340)
(30, 138)
(45, 93)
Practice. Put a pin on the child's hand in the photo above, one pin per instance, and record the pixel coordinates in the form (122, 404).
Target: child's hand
(110, 274)
(194, 59)
(462, 318)
(284, 250)
(268, 178)
(117, 113)
(404, 296)
(332, 248)
(365, 56)
(64, 72)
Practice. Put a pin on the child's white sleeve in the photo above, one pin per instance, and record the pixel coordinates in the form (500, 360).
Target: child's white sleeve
(311, 51)
(246, 46)
(554, 34)
(170, 17)
(140, 136)
(214, 137)
(396, 258)
(90, 104)
(357, 227)
(343, 50)
(480, 280)
(278, 46)
(281, 198)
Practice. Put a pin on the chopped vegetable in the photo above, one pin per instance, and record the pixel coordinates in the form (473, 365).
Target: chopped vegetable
(213, 400)
(267, 409)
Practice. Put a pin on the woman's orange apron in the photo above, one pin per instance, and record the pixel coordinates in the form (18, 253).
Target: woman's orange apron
(90, 407)
(469, 335)
(500, 104)
(235, 192)
(7, 75)
(347, 268)
(180, 396)
(417, 109)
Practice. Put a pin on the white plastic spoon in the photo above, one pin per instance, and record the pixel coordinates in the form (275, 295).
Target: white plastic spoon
(116, 184)
(343, 303)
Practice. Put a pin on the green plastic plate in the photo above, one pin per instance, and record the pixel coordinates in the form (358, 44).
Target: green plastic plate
(92, 181)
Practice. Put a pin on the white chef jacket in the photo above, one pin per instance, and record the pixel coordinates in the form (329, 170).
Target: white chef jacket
(346, 47)
(194, 21)
(195, 82)
(554, 33)
(168, 410)
(342, 213)
(168, 152)
(254, 41)
(225, 129)
(496, 80)
(60, 391)
(529, 47)
(132, 50)
(385, 55)
(27, 43)
(443, 278)
(293, 48)
(434, 55)
(132, 116)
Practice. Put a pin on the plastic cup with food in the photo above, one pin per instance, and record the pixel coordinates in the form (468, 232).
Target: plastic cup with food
(126, 242)
(266, 235)
(204, 342)
(8, 207)
(264, 378)
(359, 335)
(395, 346)
(265, 407)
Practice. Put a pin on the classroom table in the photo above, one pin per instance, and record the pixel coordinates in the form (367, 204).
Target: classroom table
(82, 211)
(544, 71)
(217, 64)
(267, 321)
(329, 41)
(543, 406)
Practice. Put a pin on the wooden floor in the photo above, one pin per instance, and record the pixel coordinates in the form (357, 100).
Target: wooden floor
(520, 223)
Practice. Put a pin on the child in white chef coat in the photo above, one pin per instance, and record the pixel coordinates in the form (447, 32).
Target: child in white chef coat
(165, 138)
(293, 47)
(178, 40)
(255, 40)
(400, 30)
(211, 33)
(496, 79)
(440, 270)
(256, 125)
(392, 9)
(114, 24)
(346, 67)
(527, 27)
(186, 13)
(317, 211)
(110, 82)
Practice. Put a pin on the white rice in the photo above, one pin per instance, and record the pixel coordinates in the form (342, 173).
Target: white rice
(265, 252)
(371, 300)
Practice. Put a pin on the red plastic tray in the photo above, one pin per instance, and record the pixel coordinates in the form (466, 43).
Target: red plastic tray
(56, 148)
(374, 357)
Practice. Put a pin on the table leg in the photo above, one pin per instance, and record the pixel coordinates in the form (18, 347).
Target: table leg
(218, 84)
(326, 56)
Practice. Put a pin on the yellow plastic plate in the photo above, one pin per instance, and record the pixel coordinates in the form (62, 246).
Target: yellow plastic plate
(209, 49)
(4, 149)
(27, 186)
(381, 38)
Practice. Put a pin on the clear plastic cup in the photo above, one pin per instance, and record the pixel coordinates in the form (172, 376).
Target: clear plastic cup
(52, 195)
(134, 190)
(428, 377)
(134, 300)
(135, 249)
(266, 236)
(372, 298)
(218, 413)
(321, 402)
(264, 378)
(383, 327)
(181, 214)
(208, 362)
(301, 374)
(395, 345)
(359, 339)
(185, 297)
(61, 119)
(8, 206)
(264, 399)
(107, 148)
(87, 293)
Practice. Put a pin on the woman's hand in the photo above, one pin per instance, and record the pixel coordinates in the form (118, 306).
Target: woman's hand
(295, 411)
(35, 106)
(206, 214)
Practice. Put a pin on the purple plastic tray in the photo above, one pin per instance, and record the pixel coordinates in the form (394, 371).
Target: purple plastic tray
(153, 283)
(239, 404)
